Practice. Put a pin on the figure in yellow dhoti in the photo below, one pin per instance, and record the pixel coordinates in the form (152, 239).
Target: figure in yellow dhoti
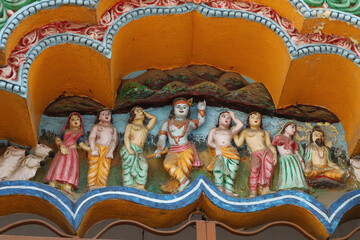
(178, 163)
(318, 159)
(99, 168)
(182, 155)
(103, 141)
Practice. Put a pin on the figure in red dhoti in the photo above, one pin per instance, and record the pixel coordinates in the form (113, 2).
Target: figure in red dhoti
(182, 155)
(64, 169)
(263, 154)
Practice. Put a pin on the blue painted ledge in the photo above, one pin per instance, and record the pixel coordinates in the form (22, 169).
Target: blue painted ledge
(74, 212)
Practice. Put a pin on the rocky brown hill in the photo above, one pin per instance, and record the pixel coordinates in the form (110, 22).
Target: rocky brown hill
(156, 88)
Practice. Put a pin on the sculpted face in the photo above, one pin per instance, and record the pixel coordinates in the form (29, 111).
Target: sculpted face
(181, 110)
(225, 120)
(139, 113)
(74, 122)
(105, 116)
(255, 120)
(318, 138)
(290, 130)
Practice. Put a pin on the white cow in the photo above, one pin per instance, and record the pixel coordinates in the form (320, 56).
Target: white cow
(10, 160)
(27, 169)
(42, 151)
(13, 156)
(355, 163)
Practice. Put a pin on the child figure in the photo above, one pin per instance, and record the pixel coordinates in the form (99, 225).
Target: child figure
(134, 163)
(103, 140)
(226, 159)
(263, 154)
(64, 169)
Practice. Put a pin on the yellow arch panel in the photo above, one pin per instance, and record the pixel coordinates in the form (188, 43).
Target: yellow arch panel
(122, 209)
(328, 26)
(329, 81)
(30, 204)
(15, 121)
(304, 218)
(162, 42)
(286, 10)
(242, 46)
(43, 17)
(69, 69)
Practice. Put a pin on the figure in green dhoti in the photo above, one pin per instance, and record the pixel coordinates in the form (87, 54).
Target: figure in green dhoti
(134, 163)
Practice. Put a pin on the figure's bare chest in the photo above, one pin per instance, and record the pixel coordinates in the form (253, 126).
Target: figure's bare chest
(138, 129)
(256, 137)
(223, 136)
(219, 131)
(319, 155)
(255, 134)
(105, 130)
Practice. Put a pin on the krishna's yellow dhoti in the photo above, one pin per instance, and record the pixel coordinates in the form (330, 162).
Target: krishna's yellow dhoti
(178, 163)
(99, 168)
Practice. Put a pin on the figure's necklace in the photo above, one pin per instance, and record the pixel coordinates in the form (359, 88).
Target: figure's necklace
(318, 152)
(177, 138)
(72, 131)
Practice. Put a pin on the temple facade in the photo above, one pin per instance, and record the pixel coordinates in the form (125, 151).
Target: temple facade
(150, 111)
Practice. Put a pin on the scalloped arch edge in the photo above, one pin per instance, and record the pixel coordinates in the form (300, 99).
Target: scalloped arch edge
(105, 47)
(75, 212)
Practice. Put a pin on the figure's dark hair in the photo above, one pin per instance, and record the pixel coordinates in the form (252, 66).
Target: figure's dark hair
(97, 120)
(288, 124)
(248, 119)
(172, 114)
(217, 124)
(315, 129)
(132, 115)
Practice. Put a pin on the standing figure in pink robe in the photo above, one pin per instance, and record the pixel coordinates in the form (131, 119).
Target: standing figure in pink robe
(263, 154)
(64, 170)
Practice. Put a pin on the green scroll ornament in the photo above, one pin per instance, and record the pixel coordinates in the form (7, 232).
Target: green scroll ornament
(349, 6)
(16, 4)
(13, 5)
(3, 15)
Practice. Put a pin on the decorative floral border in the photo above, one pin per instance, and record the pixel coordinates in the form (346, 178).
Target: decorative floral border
(102, 34)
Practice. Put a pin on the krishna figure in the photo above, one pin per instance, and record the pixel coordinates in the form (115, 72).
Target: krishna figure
(182, 155)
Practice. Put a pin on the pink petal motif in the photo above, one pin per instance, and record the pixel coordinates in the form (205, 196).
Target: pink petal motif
(8, 73)
(198, 1)
(289, 27)
(97, 32)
